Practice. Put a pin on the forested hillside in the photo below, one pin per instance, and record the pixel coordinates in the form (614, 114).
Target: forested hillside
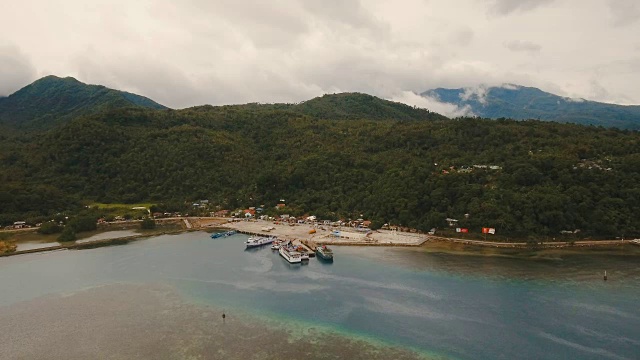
(521, 177)
(53, 100)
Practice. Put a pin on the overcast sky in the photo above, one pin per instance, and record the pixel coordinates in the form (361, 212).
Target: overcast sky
(193, 52)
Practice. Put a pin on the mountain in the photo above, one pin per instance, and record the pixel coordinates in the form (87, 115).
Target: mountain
(344, 106)
(520, 102)
(336, 156)
(340, 106)
(53, 100)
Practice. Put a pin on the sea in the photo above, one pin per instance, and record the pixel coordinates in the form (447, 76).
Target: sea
(165, 297)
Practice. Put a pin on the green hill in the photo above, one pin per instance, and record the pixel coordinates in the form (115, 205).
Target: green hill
(361, 106)
(520, 102)
(525, 178)
(53, 100)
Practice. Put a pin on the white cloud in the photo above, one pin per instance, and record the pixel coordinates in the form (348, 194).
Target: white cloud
(478, 93)
(510, 86)
(431, 104)
(233, 51)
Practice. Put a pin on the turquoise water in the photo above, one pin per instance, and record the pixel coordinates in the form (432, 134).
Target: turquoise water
(457, 306)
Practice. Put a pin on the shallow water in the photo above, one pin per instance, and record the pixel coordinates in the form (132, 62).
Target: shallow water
(453, 306)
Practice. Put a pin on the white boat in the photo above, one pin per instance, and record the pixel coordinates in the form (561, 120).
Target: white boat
(304, 256)
(290, 255)
(275, 246)
(255, 241)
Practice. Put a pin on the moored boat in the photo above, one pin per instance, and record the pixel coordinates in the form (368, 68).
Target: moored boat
(324, 253)
(217, 235)
(292, 256)
(255, 241)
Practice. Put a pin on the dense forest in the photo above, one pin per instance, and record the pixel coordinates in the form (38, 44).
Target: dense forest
(521, 177)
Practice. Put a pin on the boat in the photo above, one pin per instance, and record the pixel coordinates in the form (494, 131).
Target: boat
(255, 241)
(221, 234)
(292, 256)
(304, 256)
(324, 253)
(275, 246)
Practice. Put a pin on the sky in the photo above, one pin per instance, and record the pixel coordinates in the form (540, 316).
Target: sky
(194, 52)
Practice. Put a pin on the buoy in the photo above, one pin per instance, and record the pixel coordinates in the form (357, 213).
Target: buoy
(605, 275)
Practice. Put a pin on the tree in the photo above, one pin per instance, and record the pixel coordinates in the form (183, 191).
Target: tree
(148, 223)
(50, 227)
(68, 234)
(84, 223)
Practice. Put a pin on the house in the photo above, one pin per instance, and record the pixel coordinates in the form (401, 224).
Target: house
(19, 224)
(221, 213)
(248, 213)
(451, 222)
(366, 223)
(280, 206)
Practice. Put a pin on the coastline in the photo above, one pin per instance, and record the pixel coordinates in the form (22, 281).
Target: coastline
(312, 234)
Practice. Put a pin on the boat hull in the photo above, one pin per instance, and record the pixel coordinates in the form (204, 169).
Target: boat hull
(251, 243)
(292, 257)
(322, 255)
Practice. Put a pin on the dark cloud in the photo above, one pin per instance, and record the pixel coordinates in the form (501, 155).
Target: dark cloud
(504, 7)
(16, 69)
(624, 12)
(523, 46)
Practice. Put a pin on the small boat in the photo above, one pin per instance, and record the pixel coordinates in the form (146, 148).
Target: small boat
(217, 235)
(324, 253)
(292, 256)
(304, 256)
(230, 232)
(275, 246)
(255, 241)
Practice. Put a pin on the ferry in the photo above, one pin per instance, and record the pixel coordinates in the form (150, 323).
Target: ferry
(292, 256)
(324, 253)
(255, 241)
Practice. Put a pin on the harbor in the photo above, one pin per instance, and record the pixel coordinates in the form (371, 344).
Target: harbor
(308, 234)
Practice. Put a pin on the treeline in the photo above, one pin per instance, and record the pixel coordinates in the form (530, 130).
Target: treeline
(531, 178)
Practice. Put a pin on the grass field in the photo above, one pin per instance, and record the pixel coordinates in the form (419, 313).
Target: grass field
(119, 206)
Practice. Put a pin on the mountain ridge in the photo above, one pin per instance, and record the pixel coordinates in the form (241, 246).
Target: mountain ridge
(522, 103)
(52, 100)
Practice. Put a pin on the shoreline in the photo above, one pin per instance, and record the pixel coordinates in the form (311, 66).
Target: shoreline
(347, 237)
